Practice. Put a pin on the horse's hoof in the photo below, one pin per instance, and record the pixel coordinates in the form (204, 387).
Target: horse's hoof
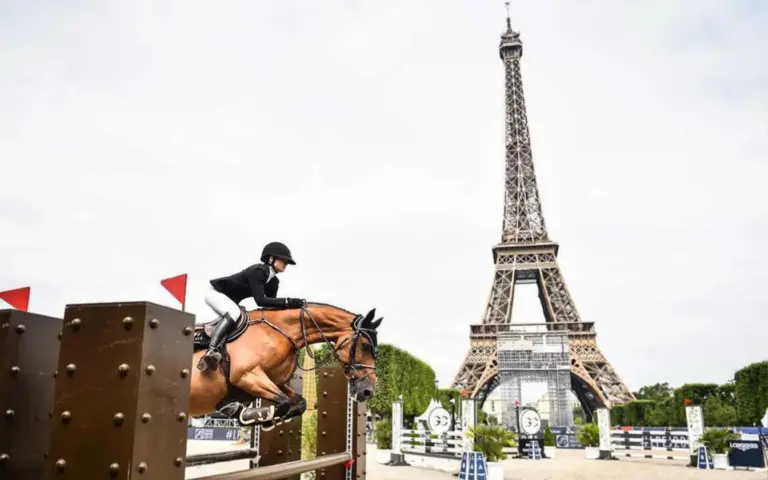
(288, 419)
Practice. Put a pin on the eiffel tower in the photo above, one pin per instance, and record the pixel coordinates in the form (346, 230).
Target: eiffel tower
(527, 255)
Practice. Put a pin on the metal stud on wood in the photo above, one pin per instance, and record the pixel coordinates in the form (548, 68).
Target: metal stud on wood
(130, 417)
(29, 350)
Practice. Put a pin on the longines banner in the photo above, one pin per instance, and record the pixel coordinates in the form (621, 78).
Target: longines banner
(746, 453)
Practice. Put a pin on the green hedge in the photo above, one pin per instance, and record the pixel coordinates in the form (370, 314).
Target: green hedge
(661, 413)
(397, 373)
(400, 373)
(632, 413)
(740, 402)
(751, 387)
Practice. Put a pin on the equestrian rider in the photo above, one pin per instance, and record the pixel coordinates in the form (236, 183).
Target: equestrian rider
(258, 281)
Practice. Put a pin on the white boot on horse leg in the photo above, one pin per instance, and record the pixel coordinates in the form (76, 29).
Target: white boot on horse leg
(249, 416)
(258, 384)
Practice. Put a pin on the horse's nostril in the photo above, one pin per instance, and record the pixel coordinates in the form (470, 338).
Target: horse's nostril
(367, 393)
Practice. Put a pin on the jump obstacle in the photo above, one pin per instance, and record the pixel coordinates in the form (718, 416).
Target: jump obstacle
(629, 443)
(418, 448)
(105, 394)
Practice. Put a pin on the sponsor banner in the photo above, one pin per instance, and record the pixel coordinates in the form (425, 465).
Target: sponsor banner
(565, 437)
(213, 433)
(746, 453)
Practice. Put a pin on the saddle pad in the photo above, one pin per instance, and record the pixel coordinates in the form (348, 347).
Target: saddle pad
(207, 328)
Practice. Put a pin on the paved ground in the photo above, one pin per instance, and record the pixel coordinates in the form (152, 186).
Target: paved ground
(571, 465)
(567, 465)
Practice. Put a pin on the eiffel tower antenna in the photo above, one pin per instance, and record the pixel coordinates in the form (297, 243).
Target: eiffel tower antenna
(527, 255)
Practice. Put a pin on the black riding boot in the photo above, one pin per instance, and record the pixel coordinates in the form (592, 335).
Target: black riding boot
(212, 357)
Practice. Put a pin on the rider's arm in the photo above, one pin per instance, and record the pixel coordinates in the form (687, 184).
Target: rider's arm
(257, 280)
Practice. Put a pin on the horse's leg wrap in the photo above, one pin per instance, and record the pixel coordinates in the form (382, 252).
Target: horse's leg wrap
(280, 411)
(258, 384)
(249, 416)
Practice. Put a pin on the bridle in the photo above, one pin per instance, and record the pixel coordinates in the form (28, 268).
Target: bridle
(358, 331)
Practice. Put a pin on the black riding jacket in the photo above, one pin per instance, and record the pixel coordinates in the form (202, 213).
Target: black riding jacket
(251, 282)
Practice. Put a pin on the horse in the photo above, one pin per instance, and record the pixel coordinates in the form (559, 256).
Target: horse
(261, 355)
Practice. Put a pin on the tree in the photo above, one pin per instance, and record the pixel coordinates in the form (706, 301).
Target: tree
(718, 413)
(751, 383)
(661, 414)
(657, 391)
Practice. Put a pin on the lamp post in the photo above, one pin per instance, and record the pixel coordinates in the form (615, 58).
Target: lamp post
(519, 434)
(453, 413)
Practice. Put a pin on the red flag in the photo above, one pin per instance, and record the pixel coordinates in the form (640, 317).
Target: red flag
(177, 286)
(18, 298)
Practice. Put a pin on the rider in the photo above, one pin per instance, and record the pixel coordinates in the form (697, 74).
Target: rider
(258, 281)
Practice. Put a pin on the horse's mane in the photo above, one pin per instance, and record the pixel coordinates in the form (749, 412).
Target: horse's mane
(319, 304)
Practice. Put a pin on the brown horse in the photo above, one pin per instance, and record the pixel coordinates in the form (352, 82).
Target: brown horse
(262, 355)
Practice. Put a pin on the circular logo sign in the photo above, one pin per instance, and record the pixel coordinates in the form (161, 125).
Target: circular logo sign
(439, 421)
(530, 421)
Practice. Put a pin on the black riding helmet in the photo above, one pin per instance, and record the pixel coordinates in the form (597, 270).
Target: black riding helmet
(277, 250)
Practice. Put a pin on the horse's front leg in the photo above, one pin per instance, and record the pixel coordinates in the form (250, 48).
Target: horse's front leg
(298, 403)
(258, 384)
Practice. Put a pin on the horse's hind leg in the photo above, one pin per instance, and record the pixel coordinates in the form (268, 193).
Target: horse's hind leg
(258, 384)
(298, 403)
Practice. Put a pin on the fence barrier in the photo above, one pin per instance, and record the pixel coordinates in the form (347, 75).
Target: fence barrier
(106, 393)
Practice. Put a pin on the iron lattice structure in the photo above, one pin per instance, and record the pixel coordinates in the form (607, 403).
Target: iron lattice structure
(535, 357)
(527, 255)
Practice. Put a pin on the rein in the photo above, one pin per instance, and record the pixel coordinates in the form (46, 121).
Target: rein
(351, 367)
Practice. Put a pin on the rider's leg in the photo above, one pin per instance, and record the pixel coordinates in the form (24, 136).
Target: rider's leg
(229, 312)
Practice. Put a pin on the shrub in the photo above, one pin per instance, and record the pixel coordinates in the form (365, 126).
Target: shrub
(382, 434)
(588, 435)
(549, 437)
(491, 440)
(716, 439)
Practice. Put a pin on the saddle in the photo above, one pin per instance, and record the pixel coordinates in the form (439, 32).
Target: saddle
(203, 331)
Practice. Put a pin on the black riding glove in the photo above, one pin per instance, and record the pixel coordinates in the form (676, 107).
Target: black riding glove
(296, 302)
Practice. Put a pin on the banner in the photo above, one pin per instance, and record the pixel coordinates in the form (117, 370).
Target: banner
(565, 437)
(746, 453)
(213, 433)
(473, 466)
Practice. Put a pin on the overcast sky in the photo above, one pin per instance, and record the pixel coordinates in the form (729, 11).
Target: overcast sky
(139, 140)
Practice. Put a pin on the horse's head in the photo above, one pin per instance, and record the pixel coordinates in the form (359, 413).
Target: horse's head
(357, 350)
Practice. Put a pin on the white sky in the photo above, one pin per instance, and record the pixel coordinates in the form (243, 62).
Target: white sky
(143, 139)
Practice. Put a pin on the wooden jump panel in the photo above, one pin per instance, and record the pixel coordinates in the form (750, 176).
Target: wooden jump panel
(29, 351)
(122, 393)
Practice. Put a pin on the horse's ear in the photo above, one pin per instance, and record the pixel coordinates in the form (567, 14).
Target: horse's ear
(375, 324)
(367, 320)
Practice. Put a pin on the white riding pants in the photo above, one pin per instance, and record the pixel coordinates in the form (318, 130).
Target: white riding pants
(221, 304)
